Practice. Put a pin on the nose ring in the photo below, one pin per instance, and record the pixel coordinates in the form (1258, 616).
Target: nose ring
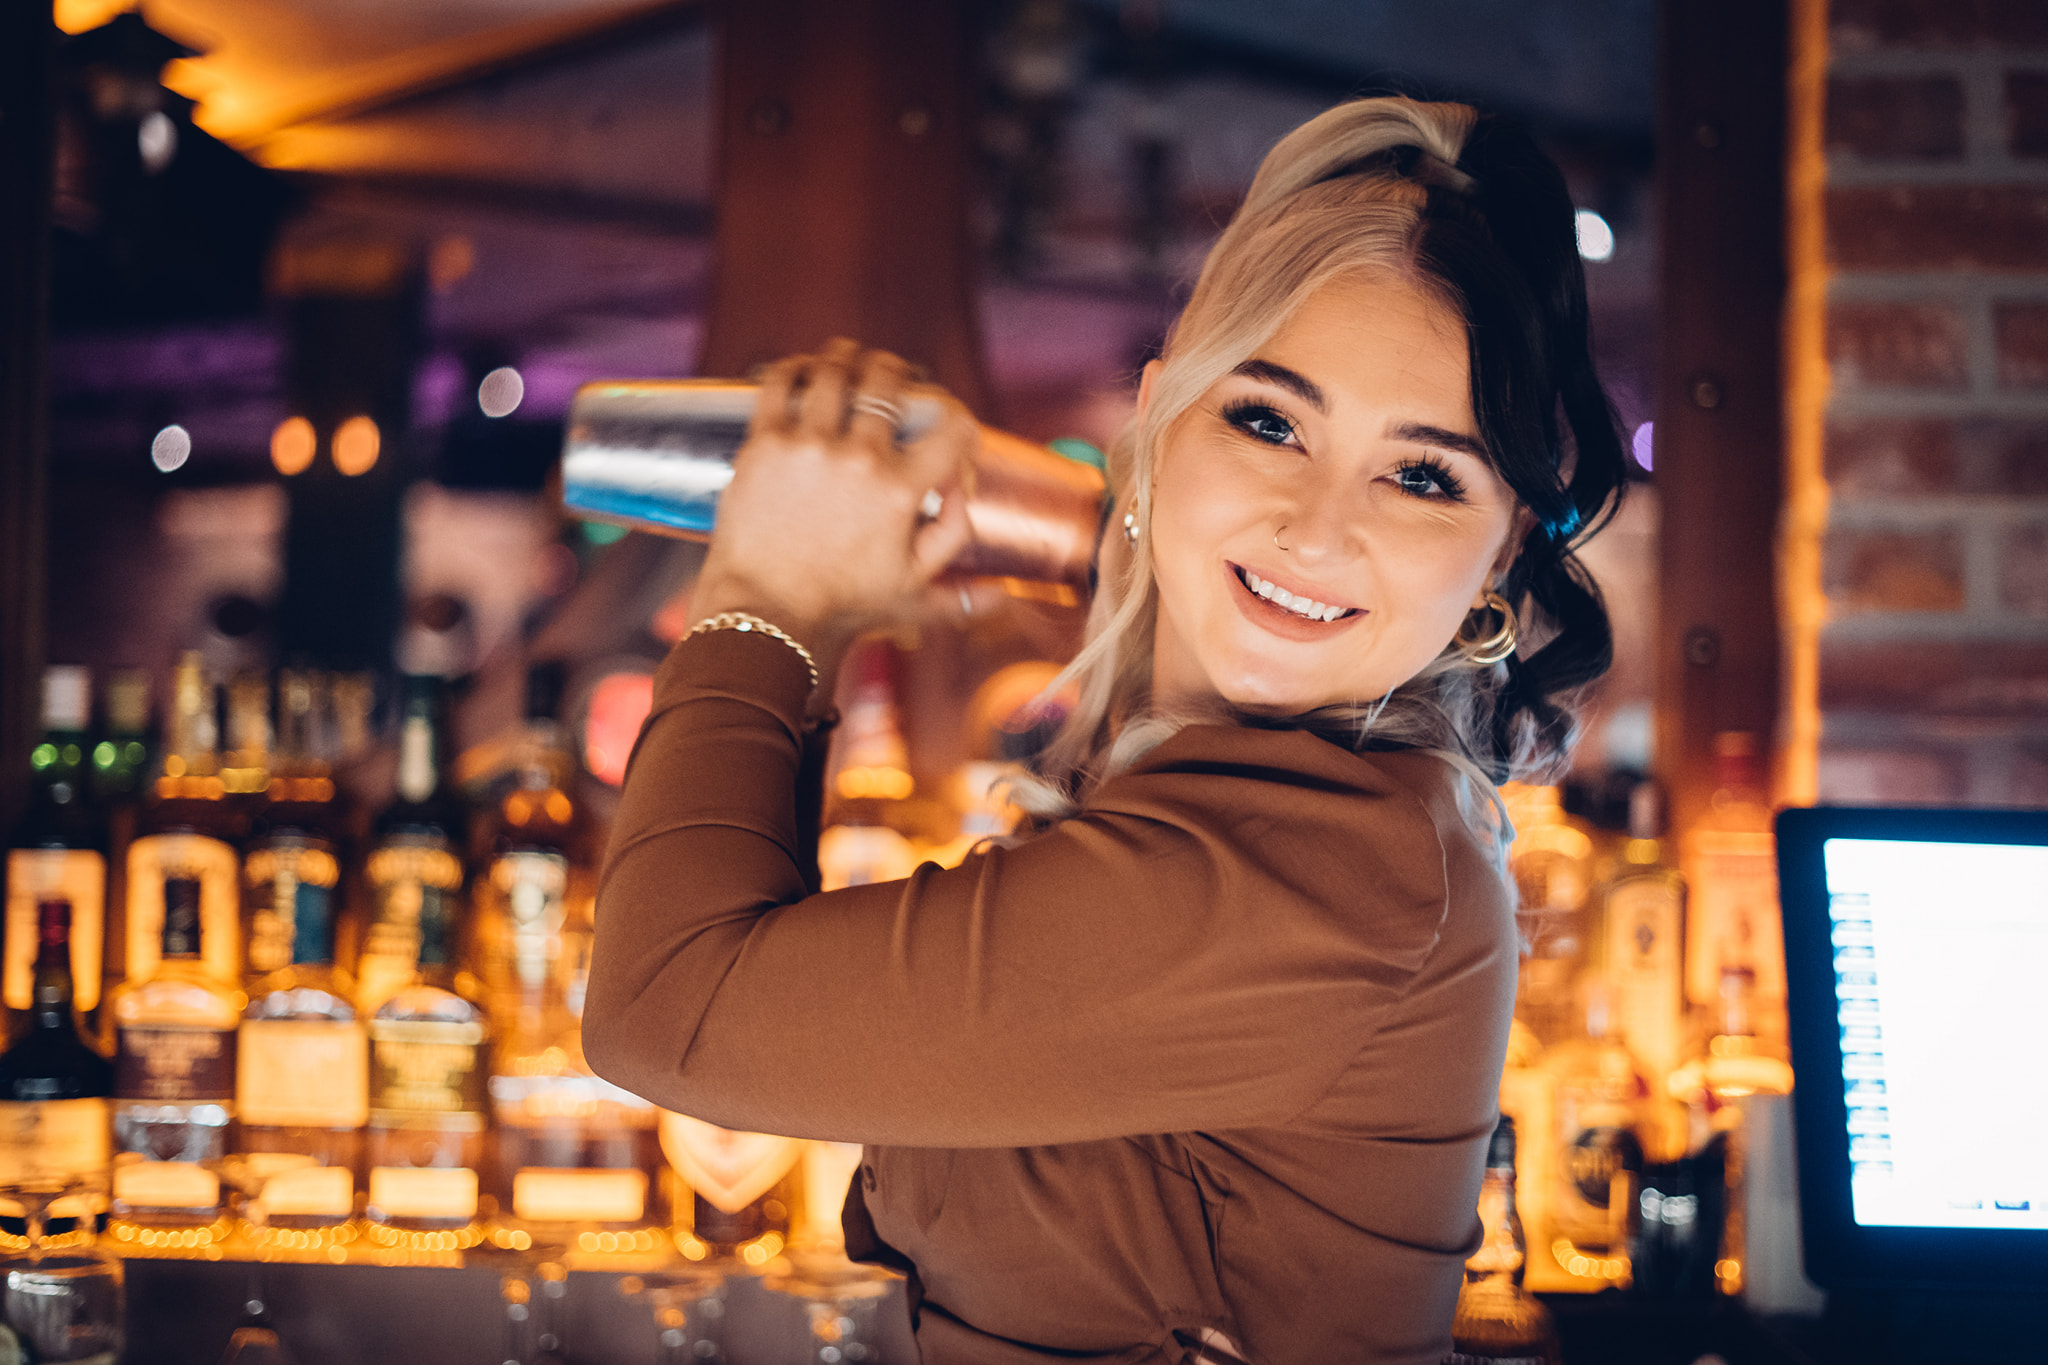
(1276, 540)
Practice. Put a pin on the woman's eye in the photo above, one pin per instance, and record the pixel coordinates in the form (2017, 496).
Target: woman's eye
(1427, 480)
(1261, 423)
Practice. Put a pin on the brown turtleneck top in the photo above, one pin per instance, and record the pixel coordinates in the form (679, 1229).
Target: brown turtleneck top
(1220, 1052)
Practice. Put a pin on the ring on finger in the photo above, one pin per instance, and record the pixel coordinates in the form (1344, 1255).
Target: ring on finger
(889, 412)
(931, 504)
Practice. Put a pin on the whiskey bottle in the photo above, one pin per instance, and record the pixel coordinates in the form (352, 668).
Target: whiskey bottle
(1498, 1321)
(428, 1100)
(174, 1075)
(523, 891)
(58, 851)
(53, 1091)
(302, 1080)
(290, 865)
(414, 871)
(186, 839)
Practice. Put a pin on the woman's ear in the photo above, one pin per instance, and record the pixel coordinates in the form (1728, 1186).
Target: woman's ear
(1145, 378)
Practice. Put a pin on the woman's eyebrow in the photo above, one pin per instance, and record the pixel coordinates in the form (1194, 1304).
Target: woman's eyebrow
(1421, 433)
(1296, 383)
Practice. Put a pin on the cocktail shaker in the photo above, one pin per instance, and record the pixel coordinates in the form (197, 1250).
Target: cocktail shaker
(655, 454)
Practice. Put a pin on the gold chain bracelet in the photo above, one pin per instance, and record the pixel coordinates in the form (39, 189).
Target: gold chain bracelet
(748, 623)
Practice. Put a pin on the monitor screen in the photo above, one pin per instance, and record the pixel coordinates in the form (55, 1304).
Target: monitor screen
(1916, 954)
(1941, 963)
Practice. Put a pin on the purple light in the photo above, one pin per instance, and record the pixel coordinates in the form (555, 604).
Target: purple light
(1644, 446)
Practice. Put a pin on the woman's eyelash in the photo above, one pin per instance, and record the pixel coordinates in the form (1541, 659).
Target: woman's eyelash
(1436, 472)
(1260, 421)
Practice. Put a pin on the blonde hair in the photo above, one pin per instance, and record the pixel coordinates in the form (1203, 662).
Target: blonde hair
(1344, 194)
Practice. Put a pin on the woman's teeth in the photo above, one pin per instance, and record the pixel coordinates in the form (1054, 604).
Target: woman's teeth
(1301, 606)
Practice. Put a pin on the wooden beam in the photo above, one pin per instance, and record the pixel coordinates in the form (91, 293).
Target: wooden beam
(1719, 433)
(28, 44)
(844, 146)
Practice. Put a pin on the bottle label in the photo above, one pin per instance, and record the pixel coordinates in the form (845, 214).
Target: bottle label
(54, 1142)
(78, 875)
(1597, 1159)
(302, 1073)
(175, 1064)
(1645, 965)
(288, 887)
(425, 1067)
(436, 1192)
(533, 886)
(308, 1191)
(161, 865)
(726, 1170)
(546, 1194)
(165, 1185)
(1734, 882)
(411, 883)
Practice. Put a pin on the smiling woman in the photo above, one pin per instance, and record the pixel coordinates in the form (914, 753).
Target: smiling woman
(1205, 1067)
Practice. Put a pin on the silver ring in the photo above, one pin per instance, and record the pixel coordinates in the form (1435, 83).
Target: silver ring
(931, 504)
(889, 412)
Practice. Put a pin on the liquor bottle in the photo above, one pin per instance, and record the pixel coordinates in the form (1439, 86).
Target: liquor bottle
(414, 871)
(1731, 869)
(186, 837)
(120, 775)
(1498, 1321)
(245, 765)
(428, 1103)
(302, 1077)
(868, 780)
(1600, 1106)
(53, 1089)
(174, 1074)
(58, 850)
(291, 870)
(1644, 960)
(578, 1159)
(1551, 861)
(523, 890)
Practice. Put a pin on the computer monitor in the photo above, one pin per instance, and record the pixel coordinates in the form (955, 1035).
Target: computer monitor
(1916, 947)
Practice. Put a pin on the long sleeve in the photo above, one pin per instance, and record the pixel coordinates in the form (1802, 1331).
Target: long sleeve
(1207, 946)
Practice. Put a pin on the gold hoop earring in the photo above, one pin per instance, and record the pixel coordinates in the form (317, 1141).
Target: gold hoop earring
(1494, 648)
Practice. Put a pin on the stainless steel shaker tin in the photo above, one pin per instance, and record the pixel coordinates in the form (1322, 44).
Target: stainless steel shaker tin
(656, 454)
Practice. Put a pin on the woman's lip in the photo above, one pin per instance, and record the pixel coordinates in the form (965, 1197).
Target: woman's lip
(1279, 620)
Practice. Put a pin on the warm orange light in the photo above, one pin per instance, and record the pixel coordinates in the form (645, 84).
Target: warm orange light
(355, 445)
(618, 706)
(292, 446)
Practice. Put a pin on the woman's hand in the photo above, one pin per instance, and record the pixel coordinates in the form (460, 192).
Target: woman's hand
(825, 530)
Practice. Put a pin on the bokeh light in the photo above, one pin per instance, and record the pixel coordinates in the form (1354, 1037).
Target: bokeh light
(500, 393)
(355, 445)
(171, 448)
(156, 141)
(1644, 446)
(292, 446)
(1596, 239)
(618, 705)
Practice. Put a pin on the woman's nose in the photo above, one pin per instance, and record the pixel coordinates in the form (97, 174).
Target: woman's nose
(1320, 529)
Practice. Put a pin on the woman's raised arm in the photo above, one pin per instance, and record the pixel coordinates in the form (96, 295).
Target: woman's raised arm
(1205, 948)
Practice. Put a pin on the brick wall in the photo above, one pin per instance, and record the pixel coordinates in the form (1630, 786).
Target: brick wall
(1933, 677)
